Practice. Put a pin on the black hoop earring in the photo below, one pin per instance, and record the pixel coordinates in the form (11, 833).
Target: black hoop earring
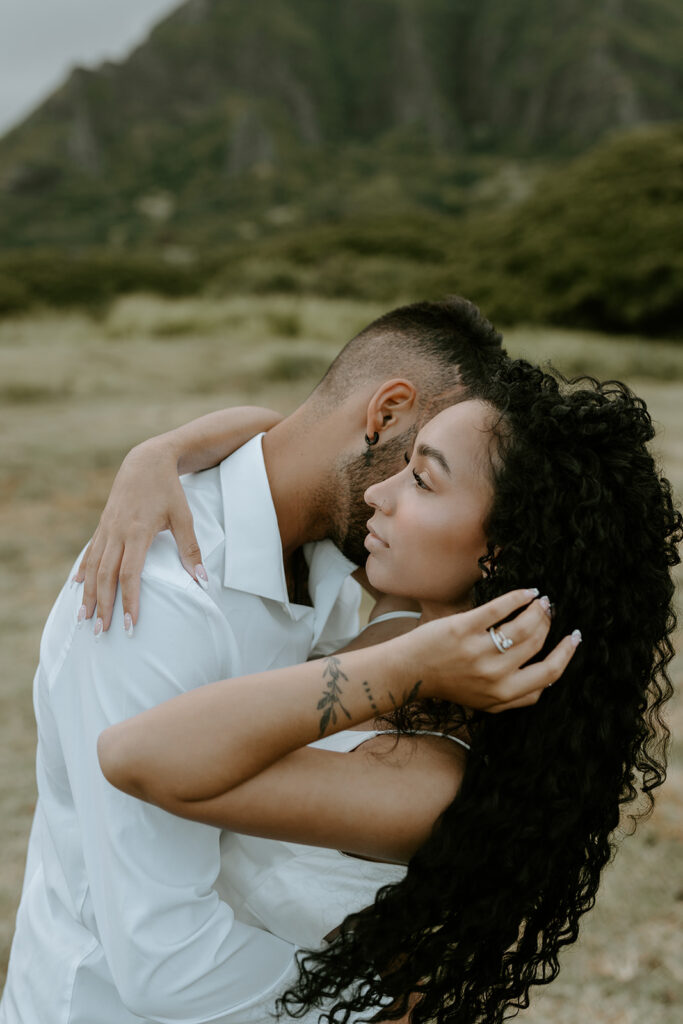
(375, 439)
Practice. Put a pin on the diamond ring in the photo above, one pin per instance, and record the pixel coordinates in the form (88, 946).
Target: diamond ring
(501, 642)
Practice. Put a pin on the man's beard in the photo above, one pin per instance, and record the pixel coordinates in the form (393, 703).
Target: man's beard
(355, 475)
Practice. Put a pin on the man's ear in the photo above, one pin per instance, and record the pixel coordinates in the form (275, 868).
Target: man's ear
(392, 408)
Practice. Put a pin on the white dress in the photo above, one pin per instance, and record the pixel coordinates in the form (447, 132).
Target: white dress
(298, 892)
(301, 893)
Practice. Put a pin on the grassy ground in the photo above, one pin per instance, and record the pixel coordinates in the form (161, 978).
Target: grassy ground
(76, 393)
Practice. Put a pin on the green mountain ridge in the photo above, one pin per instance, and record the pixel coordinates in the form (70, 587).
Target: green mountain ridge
(232, 120)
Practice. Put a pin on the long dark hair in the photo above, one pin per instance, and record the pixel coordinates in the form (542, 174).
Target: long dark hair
(580, 511)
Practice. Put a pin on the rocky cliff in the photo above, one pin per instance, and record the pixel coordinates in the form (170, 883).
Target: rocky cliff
(228, 108)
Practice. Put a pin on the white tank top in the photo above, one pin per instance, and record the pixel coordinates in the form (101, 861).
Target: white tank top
(301, 893)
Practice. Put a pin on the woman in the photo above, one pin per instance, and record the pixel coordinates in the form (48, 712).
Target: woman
(555, 486)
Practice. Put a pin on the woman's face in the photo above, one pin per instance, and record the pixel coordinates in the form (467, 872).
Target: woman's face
(427, 532)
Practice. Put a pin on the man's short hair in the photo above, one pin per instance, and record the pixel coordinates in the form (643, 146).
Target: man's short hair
(439, 344)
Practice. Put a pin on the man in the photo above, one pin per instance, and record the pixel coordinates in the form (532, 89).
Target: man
(119, 918)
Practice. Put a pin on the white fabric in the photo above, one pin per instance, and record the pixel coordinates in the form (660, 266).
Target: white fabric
(119, 919)
(399, 613)
(300, 893)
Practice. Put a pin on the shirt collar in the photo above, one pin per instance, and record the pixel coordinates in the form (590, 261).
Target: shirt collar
(328, 568)
(253, 549)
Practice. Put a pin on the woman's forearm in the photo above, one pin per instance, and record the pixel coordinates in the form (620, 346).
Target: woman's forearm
(207, 742)
(206, 441)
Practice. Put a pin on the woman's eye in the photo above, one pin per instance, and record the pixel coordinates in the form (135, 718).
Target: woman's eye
(419, 481)
(406, 457)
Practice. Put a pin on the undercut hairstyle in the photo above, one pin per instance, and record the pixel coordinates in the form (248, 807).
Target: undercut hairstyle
(580, 510)
(441, 346)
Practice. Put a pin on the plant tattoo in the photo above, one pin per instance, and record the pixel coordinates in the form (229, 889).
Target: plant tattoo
(331, 698)
(330, 702)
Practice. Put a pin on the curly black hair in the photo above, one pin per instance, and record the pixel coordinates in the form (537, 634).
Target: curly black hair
(580, 511)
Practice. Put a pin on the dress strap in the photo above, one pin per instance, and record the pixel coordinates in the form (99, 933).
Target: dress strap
(399, 614)
(349, 739)
(446, 735)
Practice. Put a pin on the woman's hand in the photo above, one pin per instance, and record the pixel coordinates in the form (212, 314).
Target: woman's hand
(147, 497)
(458, 660)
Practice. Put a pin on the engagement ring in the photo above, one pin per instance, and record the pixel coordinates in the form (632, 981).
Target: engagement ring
(500, 641)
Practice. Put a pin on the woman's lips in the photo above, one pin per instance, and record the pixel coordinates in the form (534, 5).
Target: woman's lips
(373, 542)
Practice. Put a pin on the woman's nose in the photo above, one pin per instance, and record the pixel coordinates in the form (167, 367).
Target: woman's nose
(372, 496)
(375, 497)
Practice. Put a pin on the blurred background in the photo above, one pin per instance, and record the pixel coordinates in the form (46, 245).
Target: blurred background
(201, 202)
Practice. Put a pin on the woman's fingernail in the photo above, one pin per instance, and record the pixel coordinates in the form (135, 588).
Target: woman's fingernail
(80, 618)
(73, 583)
(533, 592)
(576, 637)
(202, 576)
(99, 626)
(545, 604)
(128, 624)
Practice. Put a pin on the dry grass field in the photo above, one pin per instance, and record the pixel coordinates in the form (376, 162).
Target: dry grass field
(77, 392)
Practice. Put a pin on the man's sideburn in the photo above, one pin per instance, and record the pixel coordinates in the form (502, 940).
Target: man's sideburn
(355, 475)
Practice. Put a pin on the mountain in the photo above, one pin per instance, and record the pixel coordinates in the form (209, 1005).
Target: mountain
(233, 120)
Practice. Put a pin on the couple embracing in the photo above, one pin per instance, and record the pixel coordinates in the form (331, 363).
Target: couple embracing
(247, 805)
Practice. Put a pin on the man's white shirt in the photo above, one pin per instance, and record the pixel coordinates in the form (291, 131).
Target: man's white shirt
(119, 919)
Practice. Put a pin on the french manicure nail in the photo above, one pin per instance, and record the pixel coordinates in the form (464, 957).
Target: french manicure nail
(202, 577)
(128, 624)
(576, 637)
(73, 583)
(533, 592)
(99, 626)
(80, 618)
(545, 604)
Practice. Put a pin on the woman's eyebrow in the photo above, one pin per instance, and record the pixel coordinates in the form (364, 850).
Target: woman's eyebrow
(428, 452)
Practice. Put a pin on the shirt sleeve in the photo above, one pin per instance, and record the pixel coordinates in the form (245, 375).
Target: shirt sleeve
(174, 949)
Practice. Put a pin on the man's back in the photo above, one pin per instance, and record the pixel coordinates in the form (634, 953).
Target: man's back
(119, 918)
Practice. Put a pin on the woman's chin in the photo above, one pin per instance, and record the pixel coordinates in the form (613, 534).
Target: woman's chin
(383, 581)
(376, 577)
(370, 571)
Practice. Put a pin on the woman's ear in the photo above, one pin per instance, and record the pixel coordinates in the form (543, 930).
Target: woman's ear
(392, 409)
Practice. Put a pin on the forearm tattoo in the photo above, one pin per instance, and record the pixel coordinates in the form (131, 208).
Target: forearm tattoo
(368, 694)
(331, 701)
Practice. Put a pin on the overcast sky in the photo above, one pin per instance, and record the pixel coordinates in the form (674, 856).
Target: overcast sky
(41, 40)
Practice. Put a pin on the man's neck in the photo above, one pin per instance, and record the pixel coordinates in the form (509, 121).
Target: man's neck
(298, 475)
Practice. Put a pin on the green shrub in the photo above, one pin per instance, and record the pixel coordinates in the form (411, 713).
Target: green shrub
(92, 279)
